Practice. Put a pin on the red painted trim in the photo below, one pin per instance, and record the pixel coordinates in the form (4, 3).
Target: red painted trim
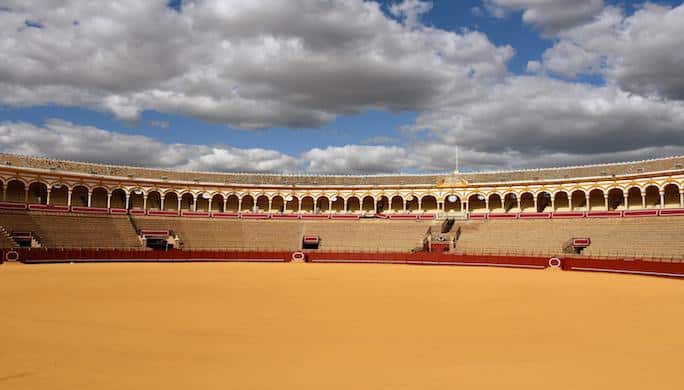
(426, 217)
(672, 212)
(640, 213)
(195, 214)
(345, 216)
(138, 212)
(503, 216)
(568, 214)
(255, 216)
(118, 211)
(162, 213)
(13, 206)
(534, 215)
(285, 216)
(44, 207)
(89, 210)
(315, 216)
(477, 216)
(604, 214)
(226, 215)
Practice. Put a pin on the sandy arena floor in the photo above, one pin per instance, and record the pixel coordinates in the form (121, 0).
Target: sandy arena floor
(307, 326)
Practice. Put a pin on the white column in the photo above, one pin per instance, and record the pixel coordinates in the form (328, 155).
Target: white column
(225, 203)
(517, 202)
(465, 207)
(643, 199)
(47, 201)
(69, 198)
(128, 200)
(161, 202)
(209, 209)
(270, 205)
(375, 205)
(144, 201)
(299, 205)
(404, 199)
(420, 205)
(570, 202)
(180, 198)
(681, 199)
(26, 194)
(239, 204)
(90, 198)
(605, 201)
(662, 200)
(626, 201)
(194, 202)
(535, 203)
(588, 206)
(109, 200)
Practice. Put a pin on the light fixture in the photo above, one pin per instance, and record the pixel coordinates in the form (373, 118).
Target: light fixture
(57, 186)
(288, 198)
(334, 198)
(138, 192)
(205, 196)
(480, 197)
(452, 198)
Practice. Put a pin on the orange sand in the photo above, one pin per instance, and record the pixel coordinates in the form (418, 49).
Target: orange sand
(308, 326)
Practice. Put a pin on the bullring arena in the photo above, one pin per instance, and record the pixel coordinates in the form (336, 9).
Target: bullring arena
(129, 278)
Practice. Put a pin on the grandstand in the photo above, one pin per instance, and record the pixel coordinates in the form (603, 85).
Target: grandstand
(626, 211)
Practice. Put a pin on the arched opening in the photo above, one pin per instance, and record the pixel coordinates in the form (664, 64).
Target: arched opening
(277, 204)
(652, 197)
(527, 203)
(368, 204)
(217, 203)
(672, 196)
(232, 204)
(543, 202)
(476, 203)
(383, 204)
(307, 204)
(597, 202)
(561, 201)
(118, 199)
(16, 191)
(171, 201)
(511, 202)
(291, 204)
(202, 203)
(154, 200)
(578, 200)
(634, 198)
(262, 203)
(428, 204)
(452, 204)
(412, 204)
(353, 204)
(187, 201)
(322, 204)
(397, 204)
(79, 196)
(495, 203)
(247, 205)
(137, 199)
(99, 198)
(37, 193)
(59, 195)
(616, 199)
(337, 204)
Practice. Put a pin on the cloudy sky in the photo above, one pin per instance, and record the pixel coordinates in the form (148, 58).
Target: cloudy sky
(342, 86)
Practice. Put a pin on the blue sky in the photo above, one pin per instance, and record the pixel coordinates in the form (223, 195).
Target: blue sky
(394, 126)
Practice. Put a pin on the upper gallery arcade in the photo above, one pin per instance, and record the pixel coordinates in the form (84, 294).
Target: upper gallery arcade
(623, 186)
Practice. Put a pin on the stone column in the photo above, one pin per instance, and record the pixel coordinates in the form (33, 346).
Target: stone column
(144, 201)
(239, 205)
(487, 205)
(605, 201)
(225, 204)
(49, 191)
(90, 198)
(128, 201)
(626, 201)
(69, 197)
(404, 199)
(270, 205)
(26, 195)
(662, 200)
(109, 200)
(681, 198)
(180, 198)
(465, 207)
(162, 199)
(643, 199)
(588, 198)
